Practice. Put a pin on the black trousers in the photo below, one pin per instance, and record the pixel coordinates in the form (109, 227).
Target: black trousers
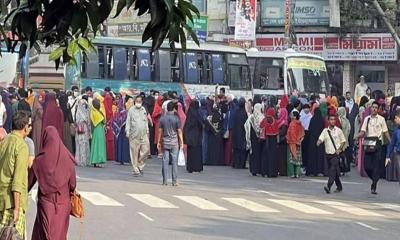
(334, 171)
(372, 164)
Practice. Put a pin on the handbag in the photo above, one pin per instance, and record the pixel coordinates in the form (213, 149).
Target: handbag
(77, 209)
(370, 143)
(9, 232)
(80, 128)
(342, 157)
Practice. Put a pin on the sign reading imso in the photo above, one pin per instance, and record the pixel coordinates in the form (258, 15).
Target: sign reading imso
(366, 47)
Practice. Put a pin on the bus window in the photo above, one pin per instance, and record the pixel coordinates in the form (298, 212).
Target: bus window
(200, 68)
(109, 63)
(217, 69)
(190, 67)
(208, 69)
(175, 62)
(119, 64)
(163, 66)
(144, 65)
(93, 66)
(239, 77)
(101, 62)
(268, 74)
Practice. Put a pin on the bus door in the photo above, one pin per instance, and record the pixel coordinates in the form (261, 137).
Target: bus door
(120, 61)
(218, 69)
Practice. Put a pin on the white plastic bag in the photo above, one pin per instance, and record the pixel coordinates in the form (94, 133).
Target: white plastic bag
(181, 158)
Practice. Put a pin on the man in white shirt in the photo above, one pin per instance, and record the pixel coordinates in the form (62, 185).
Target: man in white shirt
(374, 126)
(334, 140)
(361, 89)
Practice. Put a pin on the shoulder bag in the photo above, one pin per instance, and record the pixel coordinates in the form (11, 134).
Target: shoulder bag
(341, 156)
(370, 143)
(9, 232)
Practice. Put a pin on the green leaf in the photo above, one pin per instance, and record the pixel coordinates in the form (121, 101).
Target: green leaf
(73, 48)
(93, 15)
(120, 7)
(56, 54)
(182, 39)
(84, 44)
(192, 34)
(190, 6)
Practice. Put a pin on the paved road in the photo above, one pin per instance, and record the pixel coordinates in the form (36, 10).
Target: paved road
(224, 203)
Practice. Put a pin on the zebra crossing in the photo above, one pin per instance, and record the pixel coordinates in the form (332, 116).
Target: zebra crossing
(270, 205)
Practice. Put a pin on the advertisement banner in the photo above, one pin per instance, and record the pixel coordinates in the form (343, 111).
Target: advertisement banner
(332, 47)
(232, 14)
(199, 26)
(216, 9)
(245, 23)
(303, 63)
(304, 13)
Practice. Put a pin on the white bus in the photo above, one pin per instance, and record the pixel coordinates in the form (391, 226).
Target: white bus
(278, 73)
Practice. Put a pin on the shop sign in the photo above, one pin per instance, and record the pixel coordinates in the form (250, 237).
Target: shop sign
(303, 13)
(332, 47)
(199, 26)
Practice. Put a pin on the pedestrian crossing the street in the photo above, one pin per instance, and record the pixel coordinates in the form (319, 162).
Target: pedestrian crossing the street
(273, 205)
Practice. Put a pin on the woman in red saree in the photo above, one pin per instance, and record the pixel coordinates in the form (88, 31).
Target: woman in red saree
(110, 145)
(54, 170)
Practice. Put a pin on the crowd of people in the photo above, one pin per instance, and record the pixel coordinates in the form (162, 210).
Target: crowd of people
(51, 132)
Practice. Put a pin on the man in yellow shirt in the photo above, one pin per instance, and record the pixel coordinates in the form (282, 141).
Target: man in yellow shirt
(14, 175)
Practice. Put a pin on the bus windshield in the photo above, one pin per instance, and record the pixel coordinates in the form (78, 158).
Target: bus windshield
(307, 75)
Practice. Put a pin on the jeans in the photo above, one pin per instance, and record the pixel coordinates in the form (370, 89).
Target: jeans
(173, 152)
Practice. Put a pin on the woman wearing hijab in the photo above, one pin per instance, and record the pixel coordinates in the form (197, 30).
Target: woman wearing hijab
(54, 170)
(63, 102)
(192, 137)
(270, 131)
(239, 136)
(294, 138)
(253, 141)
(316, 155)
(214, 125)
(122, 154)
(281, 152)
(8, 122)
(98, 154)
(53, 116)
(37, 118)
(346, 128)
(203, 114)
(110, 145)
(305, 118)
(82, 136)
(156, 115)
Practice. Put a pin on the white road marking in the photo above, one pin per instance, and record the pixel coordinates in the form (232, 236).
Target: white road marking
(319, 181)
(252, 206)
(350, 208)
(146, 217)
(99, 199)
(389, 206)
(269, 193)
(367, 226)
(301, 207)
(152, 201)
(201, 203)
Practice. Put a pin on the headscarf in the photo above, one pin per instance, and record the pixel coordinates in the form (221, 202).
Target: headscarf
(305, 119)
(108, 103)
(283, 118)
(120, 118)
(270, 124)
(181, 114)
(102, 109)
(293, 100)
(96, 116)
(323, 107)
(157, 112)
(54, 165)
(294, 136)
(63, 101)
(345, 124)
(52, 115)
(335, 102)
(284, 101)
(256, 118)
